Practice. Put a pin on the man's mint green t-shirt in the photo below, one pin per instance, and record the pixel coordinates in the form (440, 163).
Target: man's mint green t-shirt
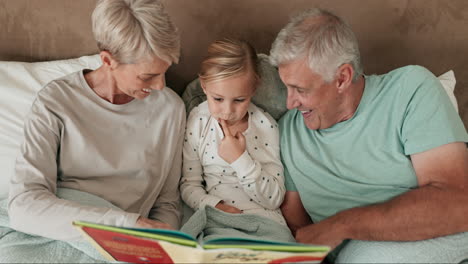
(365, 159)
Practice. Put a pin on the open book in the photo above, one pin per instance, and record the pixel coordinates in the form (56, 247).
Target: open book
(142, 245)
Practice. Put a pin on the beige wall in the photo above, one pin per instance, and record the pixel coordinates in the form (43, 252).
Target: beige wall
(392, 33)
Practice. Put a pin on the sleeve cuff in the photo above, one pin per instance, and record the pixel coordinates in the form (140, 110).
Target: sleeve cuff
(244, 164)
(131, 219)
(210, 200)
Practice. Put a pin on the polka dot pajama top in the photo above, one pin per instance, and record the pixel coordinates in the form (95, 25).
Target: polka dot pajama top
(254, 183)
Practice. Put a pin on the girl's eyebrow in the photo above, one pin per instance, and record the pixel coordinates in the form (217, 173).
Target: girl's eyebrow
(239, 97)
(217, 95)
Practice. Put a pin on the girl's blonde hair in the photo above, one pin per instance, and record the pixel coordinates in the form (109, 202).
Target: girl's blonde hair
(227, 58)
(135, 30)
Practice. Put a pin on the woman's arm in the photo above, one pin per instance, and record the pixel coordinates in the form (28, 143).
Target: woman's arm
(33, 206)
(167, 207)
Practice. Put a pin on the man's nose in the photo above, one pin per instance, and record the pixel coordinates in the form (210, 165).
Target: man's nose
(291, 100)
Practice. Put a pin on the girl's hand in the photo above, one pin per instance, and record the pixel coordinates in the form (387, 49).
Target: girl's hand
(231, 147)
(227, 208)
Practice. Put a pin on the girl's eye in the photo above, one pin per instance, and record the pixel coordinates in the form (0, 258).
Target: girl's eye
(218, 99)
(239, 100)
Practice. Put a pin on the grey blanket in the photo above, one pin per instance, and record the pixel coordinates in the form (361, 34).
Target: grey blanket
(210, 223)
(18, 247)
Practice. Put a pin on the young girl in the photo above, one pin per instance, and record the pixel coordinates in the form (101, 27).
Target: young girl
(231, 157)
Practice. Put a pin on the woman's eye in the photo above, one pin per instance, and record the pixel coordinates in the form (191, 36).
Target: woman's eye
(145, 79)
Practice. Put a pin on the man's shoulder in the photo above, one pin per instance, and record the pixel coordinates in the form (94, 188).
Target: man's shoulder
(288, 117)
(403, 80)
(292, 123)
(410, 72)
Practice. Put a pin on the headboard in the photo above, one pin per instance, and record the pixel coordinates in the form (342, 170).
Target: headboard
(392, 33)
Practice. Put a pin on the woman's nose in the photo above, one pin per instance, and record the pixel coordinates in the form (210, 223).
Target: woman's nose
(159, 84)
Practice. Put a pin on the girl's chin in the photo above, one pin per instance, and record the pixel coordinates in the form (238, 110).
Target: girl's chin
(228, 121)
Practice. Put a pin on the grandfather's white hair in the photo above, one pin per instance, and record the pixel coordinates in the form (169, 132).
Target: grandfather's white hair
(323, 38)
(135, 30)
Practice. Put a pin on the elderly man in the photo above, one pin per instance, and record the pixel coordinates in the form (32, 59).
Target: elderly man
(368, 158)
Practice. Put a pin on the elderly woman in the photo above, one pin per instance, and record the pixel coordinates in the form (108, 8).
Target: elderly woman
(114, 133)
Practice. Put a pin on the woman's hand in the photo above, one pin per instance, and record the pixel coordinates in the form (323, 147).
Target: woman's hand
(227, 208)
(231, 147)
(148, 223)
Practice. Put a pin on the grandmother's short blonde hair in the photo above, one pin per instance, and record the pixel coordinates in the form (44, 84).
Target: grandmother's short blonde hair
(135, 30)
(227, 58)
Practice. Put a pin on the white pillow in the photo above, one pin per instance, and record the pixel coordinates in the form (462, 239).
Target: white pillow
(19, 83)
(448, 82)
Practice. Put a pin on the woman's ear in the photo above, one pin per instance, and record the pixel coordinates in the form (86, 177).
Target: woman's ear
(108, 60)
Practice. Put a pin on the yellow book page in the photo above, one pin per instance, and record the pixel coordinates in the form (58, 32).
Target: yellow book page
(252, 256)
(182, 254)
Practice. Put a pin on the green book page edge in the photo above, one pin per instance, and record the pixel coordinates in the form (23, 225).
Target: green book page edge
(250, 241)
(264, 244)
(283, 248)
(147, 233)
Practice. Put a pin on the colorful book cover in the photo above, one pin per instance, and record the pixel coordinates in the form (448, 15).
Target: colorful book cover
(141, 245)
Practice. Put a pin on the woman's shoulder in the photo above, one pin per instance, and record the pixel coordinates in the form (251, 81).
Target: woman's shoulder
(170, 97)
(58, 91)
(62, 83)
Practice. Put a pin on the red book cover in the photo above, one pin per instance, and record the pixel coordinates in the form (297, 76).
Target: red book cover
(129, 248)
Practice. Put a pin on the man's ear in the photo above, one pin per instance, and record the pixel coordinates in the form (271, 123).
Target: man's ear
(344, 77)
(108, 60)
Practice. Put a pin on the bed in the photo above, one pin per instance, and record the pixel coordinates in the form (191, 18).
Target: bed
(43, 40)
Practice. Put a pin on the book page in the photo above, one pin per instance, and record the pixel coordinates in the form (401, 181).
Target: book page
(183, 254)
(251, 256)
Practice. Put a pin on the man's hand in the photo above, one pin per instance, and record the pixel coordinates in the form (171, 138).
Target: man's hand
(227, 208)
(148, 223)
(231, 147)
(322, 233)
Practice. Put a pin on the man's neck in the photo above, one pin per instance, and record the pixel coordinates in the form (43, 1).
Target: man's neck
(353, 98)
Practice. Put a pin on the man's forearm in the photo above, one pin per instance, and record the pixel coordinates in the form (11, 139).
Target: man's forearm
(419, 214)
